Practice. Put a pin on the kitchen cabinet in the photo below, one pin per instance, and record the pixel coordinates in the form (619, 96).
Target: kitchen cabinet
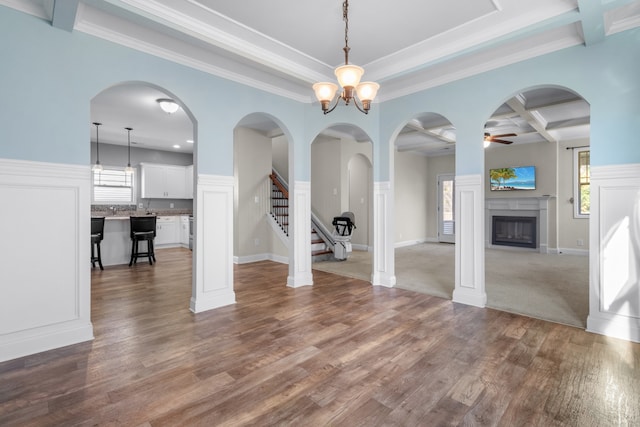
(184, 231)
(164, 182)
(167, 231)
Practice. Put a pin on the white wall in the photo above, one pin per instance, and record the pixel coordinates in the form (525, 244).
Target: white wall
(411, 182)
(326, 178)
(252, 166)
(280, 156)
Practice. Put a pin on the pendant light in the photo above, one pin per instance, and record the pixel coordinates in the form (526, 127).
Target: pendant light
(129, 170)
(97, 167)
(348, 76)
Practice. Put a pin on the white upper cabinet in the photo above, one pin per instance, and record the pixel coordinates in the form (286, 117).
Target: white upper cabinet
(165, 181)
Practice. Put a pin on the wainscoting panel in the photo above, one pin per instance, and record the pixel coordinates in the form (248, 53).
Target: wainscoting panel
(469, 273)
(300, 273)
(614, 295)
(383, 251)
(44, 257)
(213, 243)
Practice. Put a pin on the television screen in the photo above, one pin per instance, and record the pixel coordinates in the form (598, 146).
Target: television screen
(513, 178)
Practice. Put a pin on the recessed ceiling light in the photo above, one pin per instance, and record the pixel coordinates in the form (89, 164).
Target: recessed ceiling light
(190, 141)
(176, 146)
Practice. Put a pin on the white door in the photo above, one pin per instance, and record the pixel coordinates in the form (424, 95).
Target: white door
(446, 208)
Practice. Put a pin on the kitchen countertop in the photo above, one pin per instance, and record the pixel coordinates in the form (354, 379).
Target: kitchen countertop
(126, 215)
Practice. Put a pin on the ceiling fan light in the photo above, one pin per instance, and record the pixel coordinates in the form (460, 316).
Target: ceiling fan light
(486, 143)
(349, 75)
(167, 105)
(367, 91)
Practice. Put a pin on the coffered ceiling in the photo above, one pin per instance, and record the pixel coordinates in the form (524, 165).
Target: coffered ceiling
(405, 45)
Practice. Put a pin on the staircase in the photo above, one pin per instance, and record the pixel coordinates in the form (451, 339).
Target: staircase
(320, 251)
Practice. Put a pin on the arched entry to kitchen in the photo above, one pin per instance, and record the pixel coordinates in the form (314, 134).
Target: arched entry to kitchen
(142, 157)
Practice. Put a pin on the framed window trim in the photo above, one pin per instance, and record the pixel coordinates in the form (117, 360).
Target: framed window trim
(112, 186)
(581, 180)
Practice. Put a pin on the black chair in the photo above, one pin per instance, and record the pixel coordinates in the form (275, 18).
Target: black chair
(97, 234)
(143, 228)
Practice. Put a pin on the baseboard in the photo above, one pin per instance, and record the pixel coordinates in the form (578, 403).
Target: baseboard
(411, 243)
(621, 327)
(299, 281)
(260, 257)
(570, 251)
(19, 345)
(470, 298)
(212, 300)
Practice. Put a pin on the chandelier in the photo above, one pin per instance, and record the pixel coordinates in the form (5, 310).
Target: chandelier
(349, 79)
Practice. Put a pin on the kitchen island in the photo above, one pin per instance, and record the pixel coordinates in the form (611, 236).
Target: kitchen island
(116, 245)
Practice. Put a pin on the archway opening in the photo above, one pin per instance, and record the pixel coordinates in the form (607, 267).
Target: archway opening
(536, 205)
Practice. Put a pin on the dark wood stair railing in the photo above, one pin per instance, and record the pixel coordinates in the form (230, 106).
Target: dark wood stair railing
(279, 203)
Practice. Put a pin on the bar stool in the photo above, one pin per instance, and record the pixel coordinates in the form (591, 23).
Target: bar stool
(97, 234)
(143, 229)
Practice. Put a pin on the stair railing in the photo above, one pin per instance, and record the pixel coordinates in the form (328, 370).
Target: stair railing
(323, 232)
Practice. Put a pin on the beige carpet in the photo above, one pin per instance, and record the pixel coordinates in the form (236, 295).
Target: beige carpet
(549, 287)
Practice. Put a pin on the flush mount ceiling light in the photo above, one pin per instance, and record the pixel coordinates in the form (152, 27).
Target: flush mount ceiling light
(129, 170)
(348, 78)
(97, 167)
(169, 106)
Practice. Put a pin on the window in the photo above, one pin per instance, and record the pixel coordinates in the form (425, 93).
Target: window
(112, 185)
(582, 174)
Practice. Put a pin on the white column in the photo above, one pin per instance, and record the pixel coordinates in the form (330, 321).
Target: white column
(300, 235)
(383, 239)
(45, 281)
(469, 269)
(614, 252)
(213, 244)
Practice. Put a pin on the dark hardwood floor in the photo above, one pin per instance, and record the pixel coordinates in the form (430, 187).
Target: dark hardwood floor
(339, 353)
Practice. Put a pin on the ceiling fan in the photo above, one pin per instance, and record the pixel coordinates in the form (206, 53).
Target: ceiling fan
(496, 138)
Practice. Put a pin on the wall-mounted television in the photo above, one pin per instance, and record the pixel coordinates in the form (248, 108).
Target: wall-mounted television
(513, 178)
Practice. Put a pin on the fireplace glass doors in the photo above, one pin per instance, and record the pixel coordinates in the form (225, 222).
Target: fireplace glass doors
(517, 231)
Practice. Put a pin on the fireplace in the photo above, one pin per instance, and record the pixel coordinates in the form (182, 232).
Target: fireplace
(517, 231)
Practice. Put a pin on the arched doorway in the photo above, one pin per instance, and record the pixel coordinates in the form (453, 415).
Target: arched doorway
(342, 181)
(536, 256)
(160, 148)
(261, 151)
(424, 176)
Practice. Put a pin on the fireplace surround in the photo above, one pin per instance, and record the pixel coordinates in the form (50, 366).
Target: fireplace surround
(528, 207)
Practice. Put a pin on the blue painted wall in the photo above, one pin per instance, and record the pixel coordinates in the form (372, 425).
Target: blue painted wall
(48, 78)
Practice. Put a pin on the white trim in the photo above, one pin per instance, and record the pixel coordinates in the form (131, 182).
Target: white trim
(260, 257)
(614, 261)
(300, 273)
(213, 243)
(383, 253)
(48, 306)
(469, 246)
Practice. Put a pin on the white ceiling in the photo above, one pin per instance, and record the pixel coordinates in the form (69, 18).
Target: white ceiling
(284, 46)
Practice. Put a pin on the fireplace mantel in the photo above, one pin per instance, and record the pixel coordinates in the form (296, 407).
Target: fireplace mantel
(520, 206)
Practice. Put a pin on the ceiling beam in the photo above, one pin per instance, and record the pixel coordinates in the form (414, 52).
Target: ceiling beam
(64, 14)
(417, 127)
(592, 20)
(534, 118)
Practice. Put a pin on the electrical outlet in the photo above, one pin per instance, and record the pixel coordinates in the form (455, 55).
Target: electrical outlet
(256, 242)
(140, 205)
(580, 242)
(170, 205)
